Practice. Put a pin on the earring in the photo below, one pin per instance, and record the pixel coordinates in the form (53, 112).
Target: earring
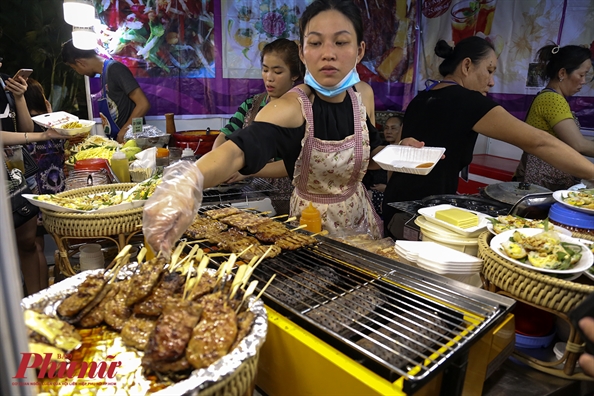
(561, 79)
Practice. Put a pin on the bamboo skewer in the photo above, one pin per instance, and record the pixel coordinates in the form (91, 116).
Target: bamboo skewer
(290, 219)
(322, 233)
(264, 288)
(237, 280)
(245, 250)
(249, 292)
(279, 216)
(188, 274)
(300, 227)
(121, 254)
(141, 255)
(176, 253)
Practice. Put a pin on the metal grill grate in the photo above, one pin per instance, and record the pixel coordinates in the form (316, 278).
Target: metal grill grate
(238, 191)
(388, 316)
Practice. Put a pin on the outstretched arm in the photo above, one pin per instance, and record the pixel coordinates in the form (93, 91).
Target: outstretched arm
(568, 131)
(501, 125)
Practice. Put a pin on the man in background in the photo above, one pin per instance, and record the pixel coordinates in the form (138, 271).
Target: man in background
(121, 99)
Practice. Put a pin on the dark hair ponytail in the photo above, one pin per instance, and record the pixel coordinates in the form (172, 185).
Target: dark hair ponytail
(552, 58)
(475, 48)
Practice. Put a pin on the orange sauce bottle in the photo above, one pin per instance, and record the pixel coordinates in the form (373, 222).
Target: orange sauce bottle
(311, 217)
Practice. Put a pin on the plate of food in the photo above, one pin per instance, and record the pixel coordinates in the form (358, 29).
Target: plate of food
(113, 201)
(406, 159)
(543, 251)
(432, 214)
(582, 201)
(501, 223)
(64, 123)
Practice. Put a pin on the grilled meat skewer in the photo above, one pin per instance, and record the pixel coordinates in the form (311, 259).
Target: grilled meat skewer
(143, 282)
(259, 250)
(95, 317)
(172, 332)
(84, 294)
(244, 325)
(137, 330)
(294, 241)
(116, 311)
(223, 212)
(244, 220)
(203, 227)
(269, 232)
(171, 284)
(205, 286)
(215, 333)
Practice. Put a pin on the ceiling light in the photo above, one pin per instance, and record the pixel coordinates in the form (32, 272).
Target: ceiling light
(79, 12)
(84, 37)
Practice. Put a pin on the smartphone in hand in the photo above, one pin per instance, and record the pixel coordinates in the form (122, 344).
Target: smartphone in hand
(25, 73)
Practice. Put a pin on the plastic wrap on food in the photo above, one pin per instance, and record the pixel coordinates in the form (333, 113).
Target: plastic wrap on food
(100, 344)
(148, 131)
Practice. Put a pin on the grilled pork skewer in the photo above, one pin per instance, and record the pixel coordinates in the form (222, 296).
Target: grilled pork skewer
(171, 284)
(223, 212)
(294, 241)
(202, 227)
(244, 220)
(85, 293)
(215, 333)
(145, 280)
(137, 330)
(172, 332)
(116, 310)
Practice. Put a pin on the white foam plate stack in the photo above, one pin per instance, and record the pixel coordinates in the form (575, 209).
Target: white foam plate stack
(438, 258)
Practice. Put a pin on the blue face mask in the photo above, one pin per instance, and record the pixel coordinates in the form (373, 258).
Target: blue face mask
(348, 81)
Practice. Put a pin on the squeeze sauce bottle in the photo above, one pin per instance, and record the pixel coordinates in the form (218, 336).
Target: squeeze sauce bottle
(311, 217)
(119, 165)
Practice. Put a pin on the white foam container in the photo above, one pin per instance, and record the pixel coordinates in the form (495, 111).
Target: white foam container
(465, 245)
(59, 118)
(405, 159)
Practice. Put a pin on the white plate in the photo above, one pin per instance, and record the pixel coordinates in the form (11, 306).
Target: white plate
(483, 220)
(557, 229)
(58, 208)
(86, 127)
(405, 159)
(581, 266)
(559, 195)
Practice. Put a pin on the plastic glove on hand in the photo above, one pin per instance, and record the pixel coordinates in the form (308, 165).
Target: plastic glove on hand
(171, 209)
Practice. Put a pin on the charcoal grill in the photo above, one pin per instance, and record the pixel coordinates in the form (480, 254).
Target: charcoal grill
(392, 319)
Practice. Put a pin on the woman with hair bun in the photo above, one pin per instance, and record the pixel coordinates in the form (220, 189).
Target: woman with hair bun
(565, 68)
(452, 112)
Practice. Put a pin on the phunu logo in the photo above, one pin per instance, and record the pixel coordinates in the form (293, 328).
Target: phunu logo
(52, 369)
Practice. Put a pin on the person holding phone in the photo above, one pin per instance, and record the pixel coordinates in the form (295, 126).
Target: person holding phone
(121, 100)
(14, 115)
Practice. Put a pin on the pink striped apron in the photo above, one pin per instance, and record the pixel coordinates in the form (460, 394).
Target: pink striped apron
(329, 174)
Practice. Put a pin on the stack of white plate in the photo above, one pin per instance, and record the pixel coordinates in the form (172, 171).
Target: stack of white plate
(443, 233)
(442, 260)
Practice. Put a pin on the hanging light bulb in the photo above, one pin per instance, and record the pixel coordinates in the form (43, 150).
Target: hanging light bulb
(79, 12)
(84, 37)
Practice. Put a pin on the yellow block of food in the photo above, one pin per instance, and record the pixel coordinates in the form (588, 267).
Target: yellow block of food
(458, 217)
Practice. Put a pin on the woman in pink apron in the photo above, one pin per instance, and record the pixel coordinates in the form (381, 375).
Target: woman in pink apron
(323, 130)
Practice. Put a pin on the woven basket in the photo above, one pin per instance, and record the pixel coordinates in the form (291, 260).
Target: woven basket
(89, 224)
(534, 287)
(237, 383)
